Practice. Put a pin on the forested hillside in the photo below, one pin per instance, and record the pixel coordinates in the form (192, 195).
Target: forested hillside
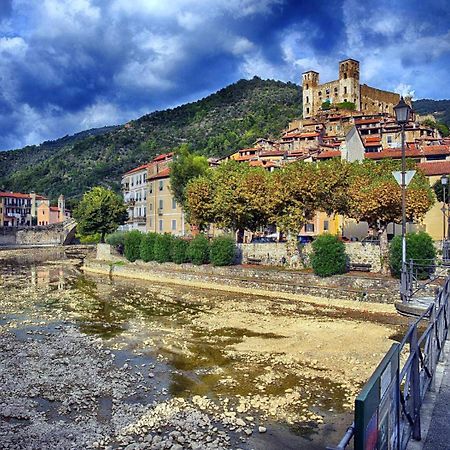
(216, 125)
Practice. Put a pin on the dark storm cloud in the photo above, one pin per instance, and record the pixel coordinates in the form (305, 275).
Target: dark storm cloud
(67, 65)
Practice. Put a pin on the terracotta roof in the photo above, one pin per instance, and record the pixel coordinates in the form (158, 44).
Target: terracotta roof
(329, 154)
(14, 195)
(242, 150)
(366, 121)
(244, 157)
(301, 135)
(272, 153)
(137, 169)
(165, 173)
(393, 153)
(162, 157)
(372, 144)
(256, 163)
(435, 168)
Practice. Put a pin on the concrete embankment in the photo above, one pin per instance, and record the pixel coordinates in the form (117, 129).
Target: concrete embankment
(255, 280)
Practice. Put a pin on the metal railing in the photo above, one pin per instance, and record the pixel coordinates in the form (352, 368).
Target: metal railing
(419, 355)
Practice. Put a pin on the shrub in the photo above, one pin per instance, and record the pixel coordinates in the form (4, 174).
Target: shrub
(419, 247)
(163, 248)
(132, 245)
(198, 251)
(116, 239)
(89, 238)
(222, 251)
(179, 251)
(328, 256)
(147, 248)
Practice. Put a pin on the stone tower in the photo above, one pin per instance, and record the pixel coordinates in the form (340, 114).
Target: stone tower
(349, 90)
(62, 207)
(310, 81)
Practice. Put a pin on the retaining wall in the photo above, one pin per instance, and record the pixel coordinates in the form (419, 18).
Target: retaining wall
(33, 236)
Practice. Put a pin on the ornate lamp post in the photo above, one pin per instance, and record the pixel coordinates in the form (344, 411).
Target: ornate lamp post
(444, 182)
(402, 115)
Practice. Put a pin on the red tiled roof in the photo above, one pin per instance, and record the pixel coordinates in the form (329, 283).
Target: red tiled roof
(301, 135)
(393, 153)
(14, 195)
(163, 174)
(435, 168)
(242, 150)
(162, 157)
(244, 157)
(329, 154)
(272, 153)
(137, 169)
(366, 121)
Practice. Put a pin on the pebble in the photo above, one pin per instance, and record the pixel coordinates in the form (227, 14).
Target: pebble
(262, 429)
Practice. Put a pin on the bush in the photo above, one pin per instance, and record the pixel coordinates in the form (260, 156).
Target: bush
(89, 238)
(132, 245)
(147, 247)
(163, 248)
(419, 247)
(198, 251)
(179, 251)
(116, 239)
(328, 256)
(222, 251)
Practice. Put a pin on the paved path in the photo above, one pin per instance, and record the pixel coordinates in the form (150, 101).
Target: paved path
(438, 436)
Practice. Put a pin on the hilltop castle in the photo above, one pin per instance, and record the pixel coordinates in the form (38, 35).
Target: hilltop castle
(346, 89)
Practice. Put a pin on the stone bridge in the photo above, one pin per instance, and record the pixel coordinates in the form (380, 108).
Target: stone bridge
(49, 235)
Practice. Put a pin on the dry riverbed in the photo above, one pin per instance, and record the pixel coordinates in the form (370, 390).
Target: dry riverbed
(89, 362)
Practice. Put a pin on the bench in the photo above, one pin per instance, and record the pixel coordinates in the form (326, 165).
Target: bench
(360, 267)
(251, 260)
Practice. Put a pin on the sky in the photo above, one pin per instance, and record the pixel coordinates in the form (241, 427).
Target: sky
(70, 65)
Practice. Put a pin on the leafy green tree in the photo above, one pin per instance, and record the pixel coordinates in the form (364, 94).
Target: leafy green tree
(328, 256)
(100, 211)
(375, 197)
(419, 248)
(132, 245)
(185, 167)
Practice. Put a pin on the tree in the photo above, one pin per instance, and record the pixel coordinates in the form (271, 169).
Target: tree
(199, 201)
(100, 211)
(185, 167)
(375, 197)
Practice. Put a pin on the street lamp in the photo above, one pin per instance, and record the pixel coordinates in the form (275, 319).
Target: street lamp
(444, 182)
(402, 115)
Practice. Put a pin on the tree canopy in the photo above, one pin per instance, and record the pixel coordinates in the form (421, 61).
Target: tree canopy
(100, 211)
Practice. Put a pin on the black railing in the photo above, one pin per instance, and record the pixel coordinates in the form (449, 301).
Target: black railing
(419, 355)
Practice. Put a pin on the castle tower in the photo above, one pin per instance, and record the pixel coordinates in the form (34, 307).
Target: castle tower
(310, 81)
(349, 89)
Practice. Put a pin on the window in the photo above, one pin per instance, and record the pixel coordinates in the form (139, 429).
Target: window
(151, 206)
(309, 228)
(327, 91)
(345, 89)
(307, 99)
(161, 185)
(307, 110)
(150, 222)
(150, 188)
(174, 225)
(389, 139)
(174, 204)
(161, 204)
(325, 225)
(307, 86)
(160, 225)
(144, 211)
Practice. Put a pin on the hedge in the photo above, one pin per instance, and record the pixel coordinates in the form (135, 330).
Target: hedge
(163, 248)
(179, 251)
(328, 256)
(147, 248)
(222, 251)
(198, 250)
(132, 245)
(419, 247)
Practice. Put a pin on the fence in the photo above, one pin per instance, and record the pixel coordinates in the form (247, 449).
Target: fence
(387, 411)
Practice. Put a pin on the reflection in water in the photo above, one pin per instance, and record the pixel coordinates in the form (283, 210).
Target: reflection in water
(161, 322)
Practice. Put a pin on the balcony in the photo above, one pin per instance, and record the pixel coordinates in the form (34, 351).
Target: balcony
(160, 212)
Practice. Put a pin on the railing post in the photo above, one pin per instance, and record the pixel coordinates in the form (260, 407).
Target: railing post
(415, 384)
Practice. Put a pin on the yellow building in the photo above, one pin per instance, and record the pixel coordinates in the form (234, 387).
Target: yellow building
(164, 214)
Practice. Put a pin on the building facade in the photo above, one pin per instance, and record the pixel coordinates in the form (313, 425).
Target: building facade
(346, 88)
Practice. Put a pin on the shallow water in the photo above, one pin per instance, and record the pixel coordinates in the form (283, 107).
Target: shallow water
(171, 328)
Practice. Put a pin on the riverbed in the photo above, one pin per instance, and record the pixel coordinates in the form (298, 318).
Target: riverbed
(94, 362)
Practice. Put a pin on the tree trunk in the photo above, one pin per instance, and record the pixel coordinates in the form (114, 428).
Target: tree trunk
(384, 251)
(240, 236)
(102, 238)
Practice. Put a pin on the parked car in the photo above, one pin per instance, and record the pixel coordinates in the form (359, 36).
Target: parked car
(305, 239)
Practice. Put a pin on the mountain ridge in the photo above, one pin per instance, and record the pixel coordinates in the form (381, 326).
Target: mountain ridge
(216, 125)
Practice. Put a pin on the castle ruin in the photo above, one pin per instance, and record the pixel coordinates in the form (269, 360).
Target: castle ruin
(346, 89)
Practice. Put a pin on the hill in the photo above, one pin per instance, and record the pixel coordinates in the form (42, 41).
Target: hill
(216, 125)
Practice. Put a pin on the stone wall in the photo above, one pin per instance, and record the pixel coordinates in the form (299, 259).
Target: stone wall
(107, 252)
(33, 236)
(278, 254)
